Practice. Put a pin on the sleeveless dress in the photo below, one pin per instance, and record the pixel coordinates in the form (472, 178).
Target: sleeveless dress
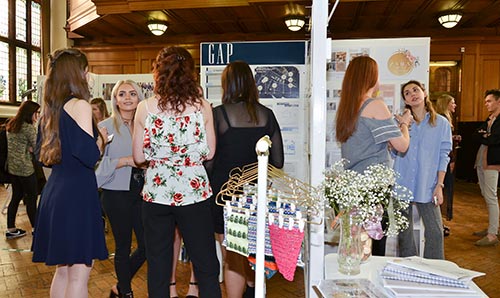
(235, 148)
(69, 227)
(175, 147)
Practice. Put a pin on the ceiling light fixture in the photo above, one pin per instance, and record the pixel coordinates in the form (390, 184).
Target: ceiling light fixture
(157, 27)
(450, 19)
(294, 23)
(442, 63)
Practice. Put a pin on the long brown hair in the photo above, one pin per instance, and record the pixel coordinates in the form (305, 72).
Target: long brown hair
(101, 105)
(175, 80)
(428, 103)
(360, 76)
(238, 84)
(65, 79)
(24, 115)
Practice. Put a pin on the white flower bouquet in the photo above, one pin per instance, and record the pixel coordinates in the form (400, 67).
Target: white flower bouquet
(368, 197)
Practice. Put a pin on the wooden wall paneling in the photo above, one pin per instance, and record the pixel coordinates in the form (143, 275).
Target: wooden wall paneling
(489, 79)
(107, 69)
(112, 61)
(468, 108)
(146, 59)
(490, 48)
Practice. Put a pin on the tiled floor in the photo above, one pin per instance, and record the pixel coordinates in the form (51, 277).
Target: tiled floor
(21, 278)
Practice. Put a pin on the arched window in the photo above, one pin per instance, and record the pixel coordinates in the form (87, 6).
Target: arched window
(442, 80)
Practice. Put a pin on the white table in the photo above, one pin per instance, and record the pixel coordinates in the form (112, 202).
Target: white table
(369, 270)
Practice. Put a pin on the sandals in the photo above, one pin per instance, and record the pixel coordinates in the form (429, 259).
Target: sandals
(192, 284)
(173, 284)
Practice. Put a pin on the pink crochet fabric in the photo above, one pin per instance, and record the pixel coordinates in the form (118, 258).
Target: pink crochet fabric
(286, 248)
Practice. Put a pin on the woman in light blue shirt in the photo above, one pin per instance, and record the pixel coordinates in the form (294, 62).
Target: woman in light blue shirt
(422, 169)
(121, 182)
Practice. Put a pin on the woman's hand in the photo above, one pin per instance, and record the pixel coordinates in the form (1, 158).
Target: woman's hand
(405, 118)
(438, 195)
(102, 139)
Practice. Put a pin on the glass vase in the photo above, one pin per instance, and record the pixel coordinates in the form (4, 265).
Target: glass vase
(366, 245)
(350, 249)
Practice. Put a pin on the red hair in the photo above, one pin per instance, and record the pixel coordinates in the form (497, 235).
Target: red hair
(360, 76)
(175, 80)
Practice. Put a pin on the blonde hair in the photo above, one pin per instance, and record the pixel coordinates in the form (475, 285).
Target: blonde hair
(441, 106)
(115, 113)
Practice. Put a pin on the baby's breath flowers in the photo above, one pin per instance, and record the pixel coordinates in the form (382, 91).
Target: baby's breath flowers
(368, 196)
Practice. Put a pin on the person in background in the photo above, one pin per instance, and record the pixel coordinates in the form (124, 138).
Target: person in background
(68, 230)
(121, 182)
(422, 169)
(240, 122)
(99, 109)
(365, 127)
(21, 141)
(174, 135)
(488, 164)
(445, 106)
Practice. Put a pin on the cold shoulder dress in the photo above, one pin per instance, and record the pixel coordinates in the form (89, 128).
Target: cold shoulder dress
(69, 227)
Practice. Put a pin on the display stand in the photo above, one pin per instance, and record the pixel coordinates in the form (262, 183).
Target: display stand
(262, 148)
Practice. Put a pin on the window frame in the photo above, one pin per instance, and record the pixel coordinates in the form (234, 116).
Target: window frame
(13, 43)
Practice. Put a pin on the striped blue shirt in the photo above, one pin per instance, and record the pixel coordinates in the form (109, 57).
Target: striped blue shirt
(368, 144)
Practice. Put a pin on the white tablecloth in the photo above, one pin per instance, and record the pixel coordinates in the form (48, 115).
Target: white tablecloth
(369, 270)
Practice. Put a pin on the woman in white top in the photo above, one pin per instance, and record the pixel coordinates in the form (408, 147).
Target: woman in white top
(174, 135)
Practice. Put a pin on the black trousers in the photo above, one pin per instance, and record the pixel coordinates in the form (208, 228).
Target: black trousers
(23, 188)
(449, 181)
(196, 226)
(124, 211)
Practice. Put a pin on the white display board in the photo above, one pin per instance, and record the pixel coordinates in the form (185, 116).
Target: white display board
(399, 60)
(281, 77)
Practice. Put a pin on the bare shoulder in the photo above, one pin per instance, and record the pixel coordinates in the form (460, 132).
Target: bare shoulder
(205, 104)
(78, 108)
(81, 111)
(376, 109)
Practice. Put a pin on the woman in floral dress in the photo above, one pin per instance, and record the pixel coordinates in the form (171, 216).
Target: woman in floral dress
(174, 135)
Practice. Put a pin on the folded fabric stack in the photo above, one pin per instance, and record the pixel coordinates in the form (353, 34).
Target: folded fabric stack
(418, 277)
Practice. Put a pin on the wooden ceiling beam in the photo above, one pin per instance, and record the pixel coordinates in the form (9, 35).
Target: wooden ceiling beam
(415, 17)
(81, 14)
(390, 8)
(355, 20)
(120, 6)
(183, 39)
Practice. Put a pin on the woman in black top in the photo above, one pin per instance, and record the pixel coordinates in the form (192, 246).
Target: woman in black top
(239, 123)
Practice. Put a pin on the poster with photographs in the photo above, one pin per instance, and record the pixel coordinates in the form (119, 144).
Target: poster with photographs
(281, 80)
(399, 60)
(107, 82)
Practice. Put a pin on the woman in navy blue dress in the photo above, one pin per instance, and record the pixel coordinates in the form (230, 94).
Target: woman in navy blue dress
(69, 231)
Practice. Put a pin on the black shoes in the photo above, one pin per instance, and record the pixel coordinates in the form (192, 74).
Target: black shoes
(15, 234)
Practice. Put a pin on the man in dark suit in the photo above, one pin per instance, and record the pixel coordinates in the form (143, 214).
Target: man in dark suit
(488, 165)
